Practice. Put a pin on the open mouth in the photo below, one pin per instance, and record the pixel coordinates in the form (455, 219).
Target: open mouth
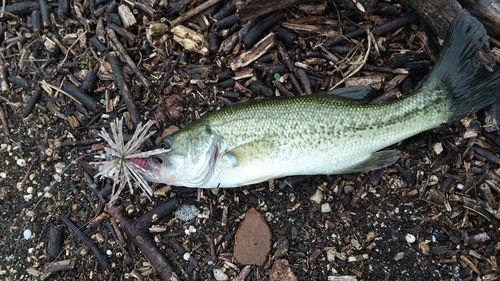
(141, 162)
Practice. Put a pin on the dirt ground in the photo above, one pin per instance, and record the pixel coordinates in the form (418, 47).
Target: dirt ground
(434, 215)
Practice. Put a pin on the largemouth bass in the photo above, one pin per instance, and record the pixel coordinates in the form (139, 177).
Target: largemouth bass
(322, 133)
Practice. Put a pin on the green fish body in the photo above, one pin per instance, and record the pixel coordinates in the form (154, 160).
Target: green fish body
(323, 133)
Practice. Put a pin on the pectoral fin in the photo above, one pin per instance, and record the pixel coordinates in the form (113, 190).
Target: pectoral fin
(248, 152)
(377, 160)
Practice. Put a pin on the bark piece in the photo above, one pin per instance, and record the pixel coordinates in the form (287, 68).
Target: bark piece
(249, 9)
(281, 271)
(253, 54)
(190, 39)
(63, 265)
(253, 239)
(437, 14)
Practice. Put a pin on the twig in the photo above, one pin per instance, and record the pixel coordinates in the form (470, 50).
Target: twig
(37, 94)
(71, 48)
(168, 74)
(262, 28)
(44, 9)
(5, 125)
(282, 88)
(143, 240)
(212, 247)
(254, 53)
(76, 93)
(384, 28)
(194, 12)
(79, 96)
(122, 86)
(3, 9)
(118, 47)
(360, 64)
(306, 84)
(122, 31)
(103, 261)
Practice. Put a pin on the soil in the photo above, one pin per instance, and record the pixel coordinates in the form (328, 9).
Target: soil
(434, 215)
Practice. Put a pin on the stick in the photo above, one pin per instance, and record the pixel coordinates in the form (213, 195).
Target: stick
(103, 261)
(138, 232)
(118, 47)
(384, 28)
(122, 86)
(194, 12)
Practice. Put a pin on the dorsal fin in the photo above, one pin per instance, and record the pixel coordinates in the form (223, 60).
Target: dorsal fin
(358, 95)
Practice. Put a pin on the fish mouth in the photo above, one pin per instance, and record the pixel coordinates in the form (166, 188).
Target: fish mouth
(141, 162)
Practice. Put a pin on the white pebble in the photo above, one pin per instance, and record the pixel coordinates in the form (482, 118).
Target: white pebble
(21, 162)
(186, 212)
(219, 275)
(3, 175)
(433, 180)
(109, 253)
(325, 208)
(29, 190)
(27, 234)
(460, 186)
(399, 256)
(269, 216)
(190, 230)
(186, 256)
(317, 196)
(410, 238)
(59, 167)
(330, 255)
(438, 148)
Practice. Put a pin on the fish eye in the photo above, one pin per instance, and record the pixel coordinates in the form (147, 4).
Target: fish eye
(166, 143)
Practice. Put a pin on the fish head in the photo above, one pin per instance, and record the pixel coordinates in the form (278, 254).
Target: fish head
(190, 157)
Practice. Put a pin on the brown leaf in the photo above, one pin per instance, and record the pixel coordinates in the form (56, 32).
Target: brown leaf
(253, 239)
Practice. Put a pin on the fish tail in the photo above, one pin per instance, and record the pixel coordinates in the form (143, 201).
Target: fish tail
(468, 84)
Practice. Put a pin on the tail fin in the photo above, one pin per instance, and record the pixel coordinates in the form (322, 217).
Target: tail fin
(470, 84)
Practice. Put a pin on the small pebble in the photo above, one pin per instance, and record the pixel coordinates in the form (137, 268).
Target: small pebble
(317, 196)
(109, 253)
(410, 238)
(186, 256)
(59, 167)
(186, 212)
(438, 148)
(269, 216)
(27, 234)
(424, 248)
(433, 180)
(190, 230)
(325, 208)
(219, 275)
(330, 255)
(460, 186)
(399, 256)
(21, 162)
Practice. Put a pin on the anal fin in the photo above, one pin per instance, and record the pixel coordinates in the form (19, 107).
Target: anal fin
(377, 160)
